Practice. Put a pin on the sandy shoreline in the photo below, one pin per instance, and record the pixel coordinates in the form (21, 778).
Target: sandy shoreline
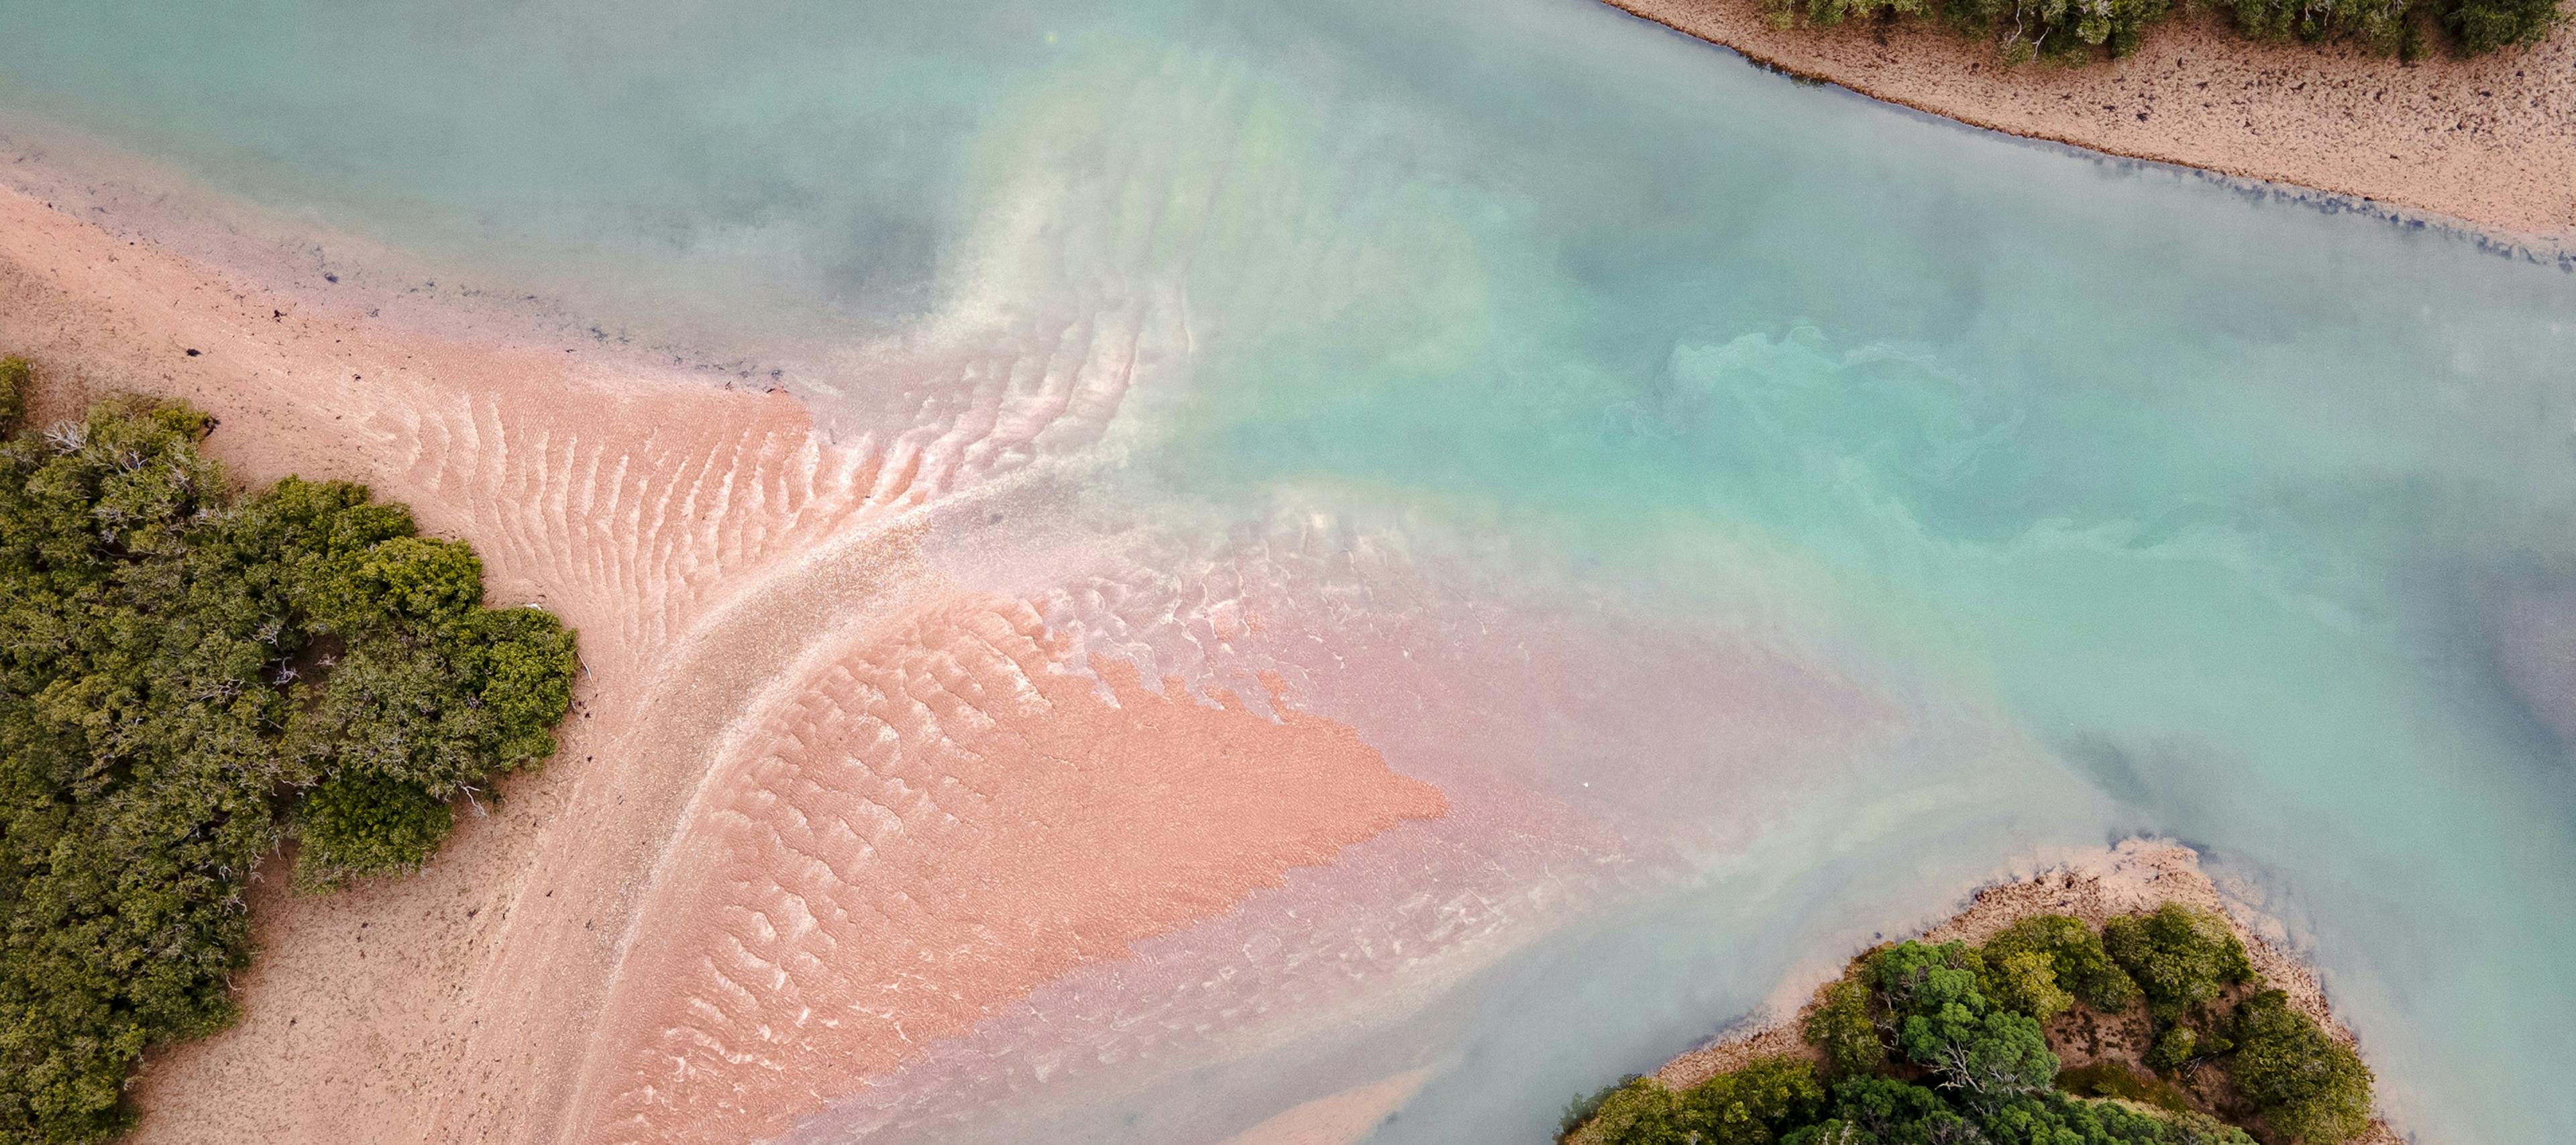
(803, 769)
(2489, 142)
(2136, 875)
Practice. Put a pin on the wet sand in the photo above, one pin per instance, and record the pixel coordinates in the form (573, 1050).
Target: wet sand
(2490, 141)
(927, 823)
(750, 598)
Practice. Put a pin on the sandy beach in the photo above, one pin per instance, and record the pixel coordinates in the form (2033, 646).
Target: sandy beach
(797, 761)
(2489, 141)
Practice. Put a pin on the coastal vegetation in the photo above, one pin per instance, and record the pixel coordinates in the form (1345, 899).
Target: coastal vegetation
(2073, 31)
(189, 679)
(1953, 1044)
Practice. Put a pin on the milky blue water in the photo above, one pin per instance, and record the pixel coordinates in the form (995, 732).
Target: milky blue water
(2247, 520)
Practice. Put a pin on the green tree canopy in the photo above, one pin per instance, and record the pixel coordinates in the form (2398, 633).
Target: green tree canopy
(2025, 982)
(1641, 1112)
(1973, 1065)
(1749, 1106)
(2309, 1087)
(1987, 1054)
(2487, 25)
(2180, 957)
(186, 679)
(1842, 1028)
(2074, 31)
(2077, 963)
(17, 375)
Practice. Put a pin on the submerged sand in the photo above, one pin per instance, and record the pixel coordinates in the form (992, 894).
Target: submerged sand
(2490, 141)
(1336, 1119)
(816, 809)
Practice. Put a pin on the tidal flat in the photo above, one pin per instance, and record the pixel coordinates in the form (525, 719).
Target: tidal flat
(1151, 570)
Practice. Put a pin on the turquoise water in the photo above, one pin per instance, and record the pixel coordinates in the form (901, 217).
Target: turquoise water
(2227, 510)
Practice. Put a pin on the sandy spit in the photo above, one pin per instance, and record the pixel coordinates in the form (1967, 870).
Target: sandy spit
(2135, 875)
(2489, 141)
(803, 774)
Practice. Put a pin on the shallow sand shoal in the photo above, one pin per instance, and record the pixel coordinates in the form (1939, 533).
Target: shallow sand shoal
(739, 579)
(2490, 140)
(1336, 1119)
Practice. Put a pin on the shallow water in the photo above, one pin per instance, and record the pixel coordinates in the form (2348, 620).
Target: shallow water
(1823, 505)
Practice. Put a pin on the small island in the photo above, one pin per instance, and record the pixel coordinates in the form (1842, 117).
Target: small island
(2110, 1001)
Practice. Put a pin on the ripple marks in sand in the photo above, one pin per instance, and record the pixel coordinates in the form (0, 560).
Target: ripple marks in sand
(638, 508)
(939, 820)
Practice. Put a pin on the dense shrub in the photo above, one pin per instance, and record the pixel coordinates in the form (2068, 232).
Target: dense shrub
(1751, 1105)
(2078, 30)
(1583, 1108)
(2486, 25)
(2174, 1046)
(2190, 1127)
(2078, 963)
(2309, 1087)
(1915, 978)
(2111, 1079)
(2380, 24)
(1972, 1064)
(2024, 30)
(2025, 982)
(17, 375)
(2180, 957)
(354, 825)
(1827, 13)
(1989, 1057)
(1842, 1029)
(1641, 1112)
(1886, 1111)
(2057, 1119)
(1988, 1054)
(178, 671)
(1881, 1109)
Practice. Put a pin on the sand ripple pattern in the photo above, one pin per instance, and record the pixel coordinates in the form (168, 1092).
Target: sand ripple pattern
(643, 510)
(938, 818)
